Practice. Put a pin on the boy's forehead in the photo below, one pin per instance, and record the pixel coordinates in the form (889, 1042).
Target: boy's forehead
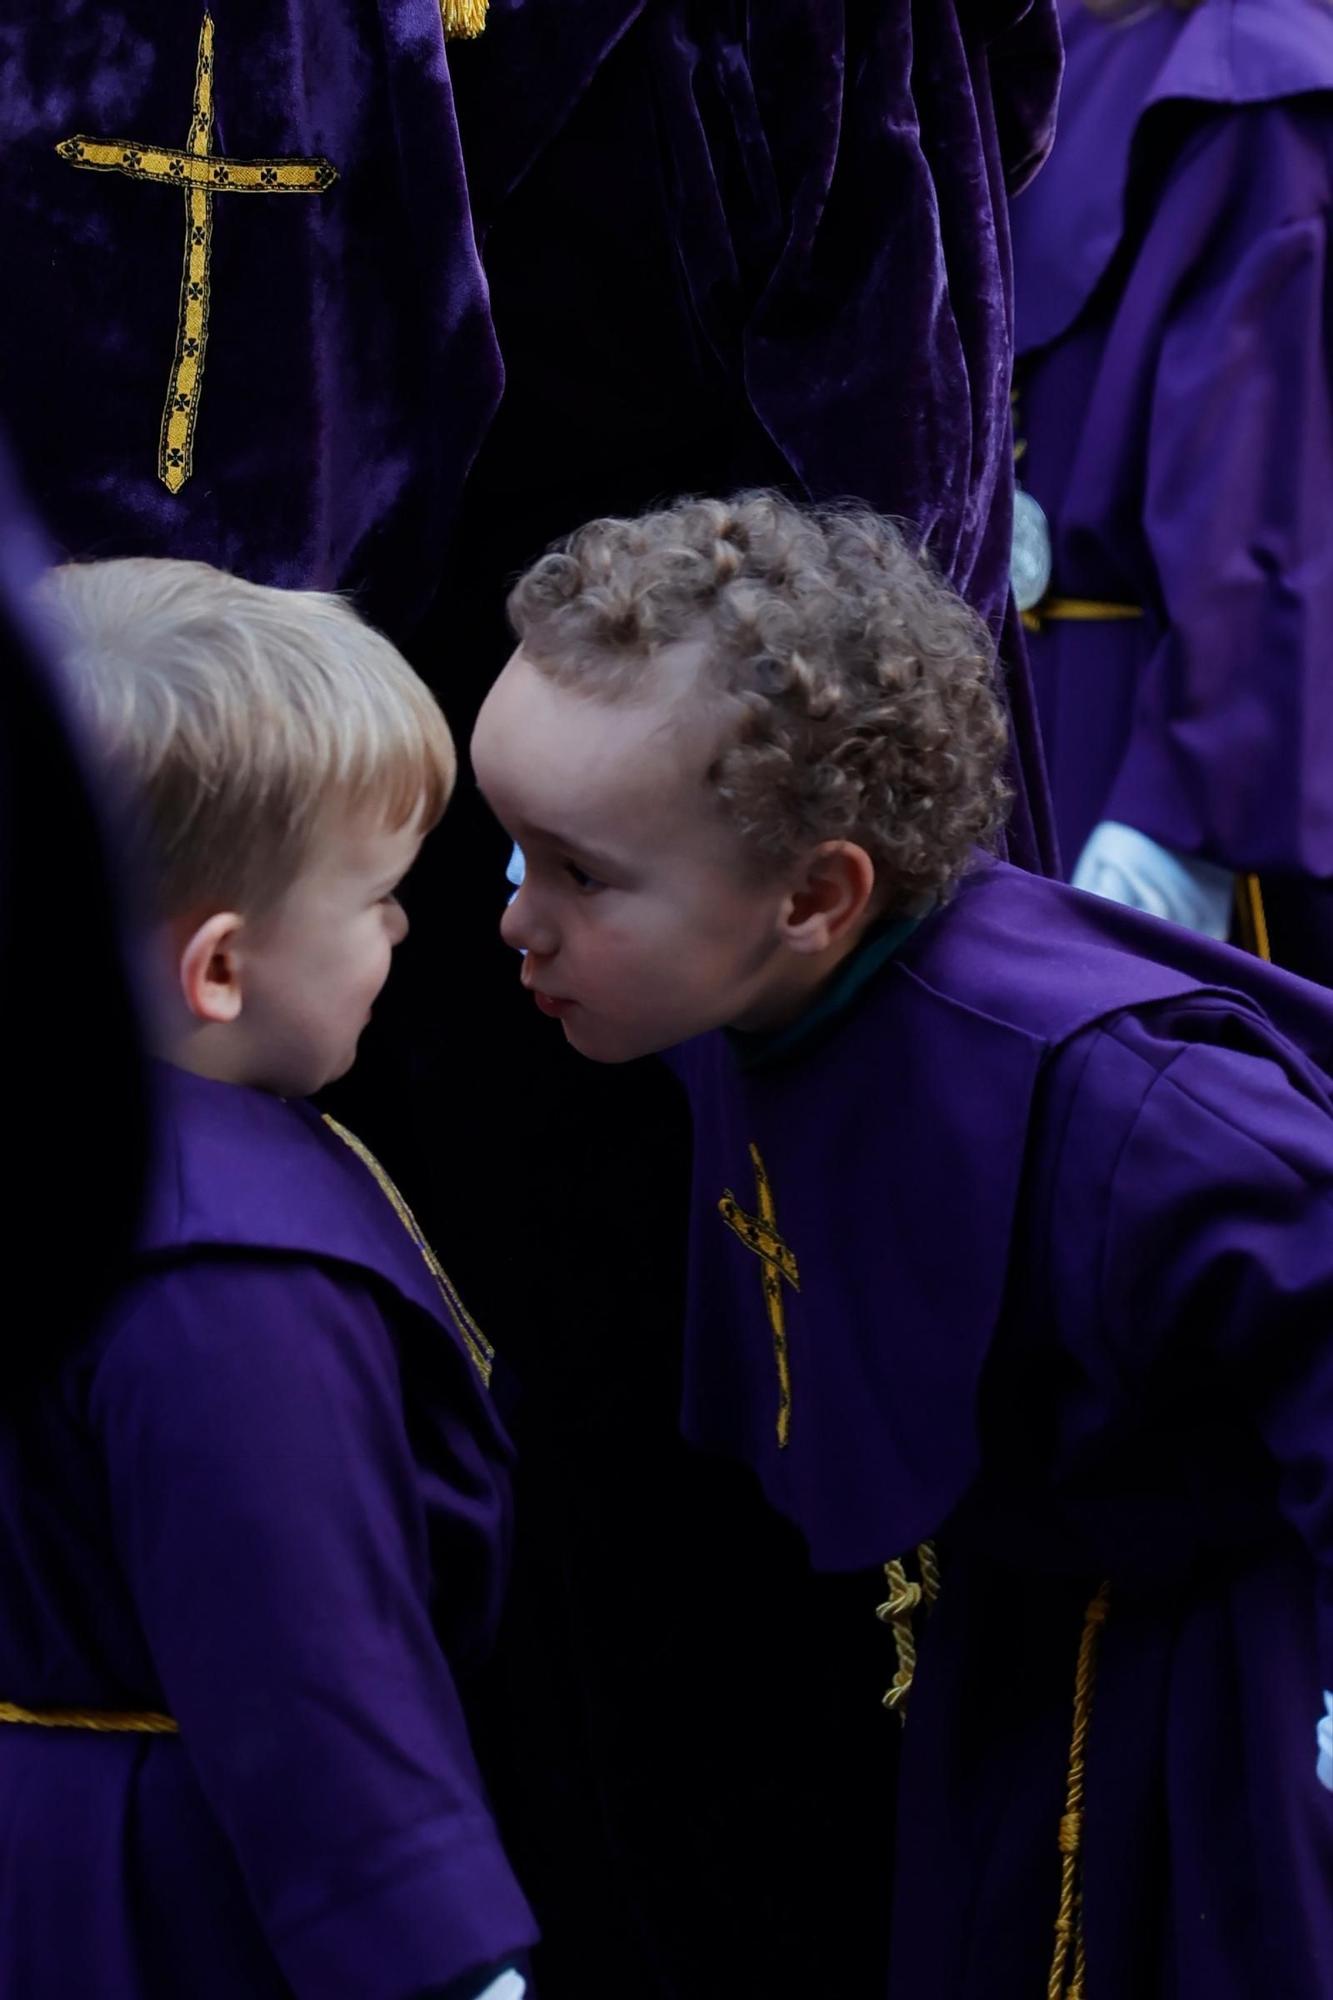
(364, 842)
(551, 751)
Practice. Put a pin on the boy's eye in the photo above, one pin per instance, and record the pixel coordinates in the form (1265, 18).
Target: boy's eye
(581, 878)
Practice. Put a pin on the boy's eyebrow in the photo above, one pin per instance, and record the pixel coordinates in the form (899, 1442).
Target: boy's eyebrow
(574, 846)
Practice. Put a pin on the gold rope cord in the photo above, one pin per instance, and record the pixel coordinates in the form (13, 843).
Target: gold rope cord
(904, 1598)
(105, 1721)
(1251, 919)
(1077, 611)
(479, 1348)
(1069, 1923)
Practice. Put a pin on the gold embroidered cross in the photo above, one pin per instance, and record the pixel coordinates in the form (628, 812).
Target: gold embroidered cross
(202, 175)
(760, 1234)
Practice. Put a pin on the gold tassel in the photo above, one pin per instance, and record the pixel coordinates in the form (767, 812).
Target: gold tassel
(463, 19)
(1069, 1923)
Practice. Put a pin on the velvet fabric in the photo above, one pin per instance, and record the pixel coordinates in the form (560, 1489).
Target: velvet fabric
(1177, 406)
(794, 217)
(351, 366)
(350, 369)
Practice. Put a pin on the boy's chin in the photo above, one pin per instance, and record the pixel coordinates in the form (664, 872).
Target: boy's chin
(612, 1044)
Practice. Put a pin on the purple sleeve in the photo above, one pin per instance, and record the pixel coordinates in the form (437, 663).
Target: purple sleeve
(1232, 737)
(1213, 1269)
(266, 1510)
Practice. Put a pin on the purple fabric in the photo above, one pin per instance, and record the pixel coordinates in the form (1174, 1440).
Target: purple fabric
(762, 134)
(620, 160)
(1177, 406)
(350, 369)
(1057, 1188)
(72, 1063)
(272, 1498)
(1222, 53)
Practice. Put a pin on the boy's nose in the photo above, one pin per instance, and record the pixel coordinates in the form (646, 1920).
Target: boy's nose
(521, 928)
(398, 924)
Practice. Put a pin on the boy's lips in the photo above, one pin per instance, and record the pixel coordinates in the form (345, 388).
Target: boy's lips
(550, 1003)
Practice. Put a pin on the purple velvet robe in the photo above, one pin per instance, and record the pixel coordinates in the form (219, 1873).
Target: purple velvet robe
(733, 244)
(349, 370)
(271, 1498)
(352, 365)
(1048, 1204)
(1175, 335)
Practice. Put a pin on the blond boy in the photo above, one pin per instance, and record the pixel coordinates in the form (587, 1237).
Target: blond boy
(255, 1530)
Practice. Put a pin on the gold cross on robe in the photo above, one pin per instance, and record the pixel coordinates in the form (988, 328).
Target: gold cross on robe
(202, 174)
(777, 1263)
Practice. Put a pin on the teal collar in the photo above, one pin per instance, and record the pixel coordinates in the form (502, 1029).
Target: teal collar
(877, 947)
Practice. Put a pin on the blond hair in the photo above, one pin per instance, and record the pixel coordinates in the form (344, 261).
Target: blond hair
(234, 716)
(862, 687)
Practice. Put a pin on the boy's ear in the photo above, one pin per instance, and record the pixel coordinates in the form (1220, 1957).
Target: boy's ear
(210, 975)
(831, 896)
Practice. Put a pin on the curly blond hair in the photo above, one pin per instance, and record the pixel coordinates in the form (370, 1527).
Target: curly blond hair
(863, 694)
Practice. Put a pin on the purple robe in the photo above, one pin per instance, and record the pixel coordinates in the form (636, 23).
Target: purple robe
(349, 355)
(1047, 1207)
(270, 1497)
(1175, 335)
(349, 368)
(807, 230)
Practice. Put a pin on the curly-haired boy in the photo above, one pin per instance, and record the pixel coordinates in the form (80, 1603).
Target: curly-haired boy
(1011, 1246)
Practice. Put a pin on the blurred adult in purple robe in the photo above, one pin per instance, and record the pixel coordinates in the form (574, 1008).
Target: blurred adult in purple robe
(65, 1066)
(1176, 417)
(256, 1526)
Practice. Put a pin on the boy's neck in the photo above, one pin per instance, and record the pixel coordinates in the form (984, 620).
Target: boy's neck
(208, 1052)
(875, 941)
(800, 983)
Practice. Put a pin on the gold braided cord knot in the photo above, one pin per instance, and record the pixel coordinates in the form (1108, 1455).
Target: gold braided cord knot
(1069, 1920)
(905, 1596)
(104, 1721)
